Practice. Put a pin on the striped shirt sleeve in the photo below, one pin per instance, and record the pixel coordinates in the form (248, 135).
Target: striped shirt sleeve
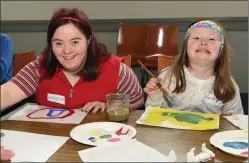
(28, 78)
(128, 84)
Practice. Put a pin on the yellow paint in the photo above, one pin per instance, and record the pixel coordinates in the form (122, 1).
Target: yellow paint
(246, 131)
(153, 116)
(95, 133)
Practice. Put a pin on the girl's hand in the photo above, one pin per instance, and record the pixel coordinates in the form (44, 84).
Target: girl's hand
(94, 106)
(151, 87)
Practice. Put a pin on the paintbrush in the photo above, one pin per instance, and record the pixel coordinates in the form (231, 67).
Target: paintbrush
(152, 76)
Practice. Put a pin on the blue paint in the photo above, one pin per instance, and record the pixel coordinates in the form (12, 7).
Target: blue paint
(236, 145)
(59, 112)
(92, 139)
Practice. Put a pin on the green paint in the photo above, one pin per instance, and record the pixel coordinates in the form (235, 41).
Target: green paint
(105, 136)
(187, 117)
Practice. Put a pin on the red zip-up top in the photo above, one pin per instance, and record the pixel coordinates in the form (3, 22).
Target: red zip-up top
(57, 91)
(83, 91)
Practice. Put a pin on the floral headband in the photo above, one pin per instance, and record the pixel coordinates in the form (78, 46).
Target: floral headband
(207, 24)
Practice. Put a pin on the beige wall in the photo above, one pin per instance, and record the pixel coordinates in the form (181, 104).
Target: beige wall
(42, 10)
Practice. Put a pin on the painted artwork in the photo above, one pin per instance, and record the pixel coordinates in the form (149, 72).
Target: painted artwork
(30, 147)
(39, 113)
(168, 118)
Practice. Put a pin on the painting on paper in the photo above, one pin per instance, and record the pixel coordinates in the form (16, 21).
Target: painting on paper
(34, 112)
(169, 118)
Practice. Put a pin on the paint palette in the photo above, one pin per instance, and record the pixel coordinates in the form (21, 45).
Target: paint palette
(234, 142)
(99, 133)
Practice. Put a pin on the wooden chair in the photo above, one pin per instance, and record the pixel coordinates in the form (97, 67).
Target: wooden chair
(22, 59)
(142, 41)
(127, 60)
(164, 62)
(132, 41)
(161, 40)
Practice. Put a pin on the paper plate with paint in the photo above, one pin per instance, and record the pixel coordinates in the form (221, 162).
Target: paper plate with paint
(234, 142)
(98, 133)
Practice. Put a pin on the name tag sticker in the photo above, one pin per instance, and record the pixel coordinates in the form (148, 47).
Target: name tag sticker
(56, 98)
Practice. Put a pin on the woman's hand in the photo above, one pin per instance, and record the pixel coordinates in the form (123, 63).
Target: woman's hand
(94, 106)
(151, 87)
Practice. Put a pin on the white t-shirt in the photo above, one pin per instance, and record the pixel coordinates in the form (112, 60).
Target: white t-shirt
(198, 96)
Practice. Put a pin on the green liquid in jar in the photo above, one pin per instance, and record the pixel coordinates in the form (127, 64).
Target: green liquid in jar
(118, 114)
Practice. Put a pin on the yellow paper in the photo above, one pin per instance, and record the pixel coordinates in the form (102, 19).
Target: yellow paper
(169, 118)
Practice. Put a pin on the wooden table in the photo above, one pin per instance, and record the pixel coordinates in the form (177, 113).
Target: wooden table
(162, 139)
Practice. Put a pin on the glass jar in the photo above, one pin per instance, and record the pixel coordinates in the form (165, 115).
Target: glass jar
(118, 106)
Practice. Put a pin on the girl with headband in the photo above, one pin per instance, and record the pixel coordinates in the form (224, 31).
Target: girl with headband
(200, 79)
(74, 70)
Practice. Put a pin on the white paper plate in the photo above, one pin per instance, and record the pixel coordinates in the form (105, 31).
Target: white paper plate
(98, 133)
(234, 142)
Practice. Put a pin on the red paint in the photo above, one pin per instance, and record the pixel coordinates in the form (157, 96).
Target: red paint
(114, 139)
(245, 153)
(70, 112)
(119, 132)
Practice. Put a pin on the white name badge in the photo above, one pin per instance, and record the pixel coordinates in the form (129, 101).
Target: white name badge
(56, 98)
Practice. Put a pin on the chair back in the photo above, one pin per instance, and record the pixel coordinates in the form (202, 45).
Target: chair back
(132, 41)
(127, 60)
(164, 62)
(161, 40)
(22, 59)
(141, 41)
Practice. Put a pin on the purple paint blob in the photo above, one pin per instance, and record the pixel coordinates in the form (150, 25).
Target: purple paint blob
(92, 139)
(114, 139)
(236, 145)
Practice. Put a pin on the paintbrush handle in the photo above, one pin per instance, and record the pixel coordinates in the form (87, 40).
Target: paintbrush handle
(146, 70)
(164, 91)
(152, 76)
